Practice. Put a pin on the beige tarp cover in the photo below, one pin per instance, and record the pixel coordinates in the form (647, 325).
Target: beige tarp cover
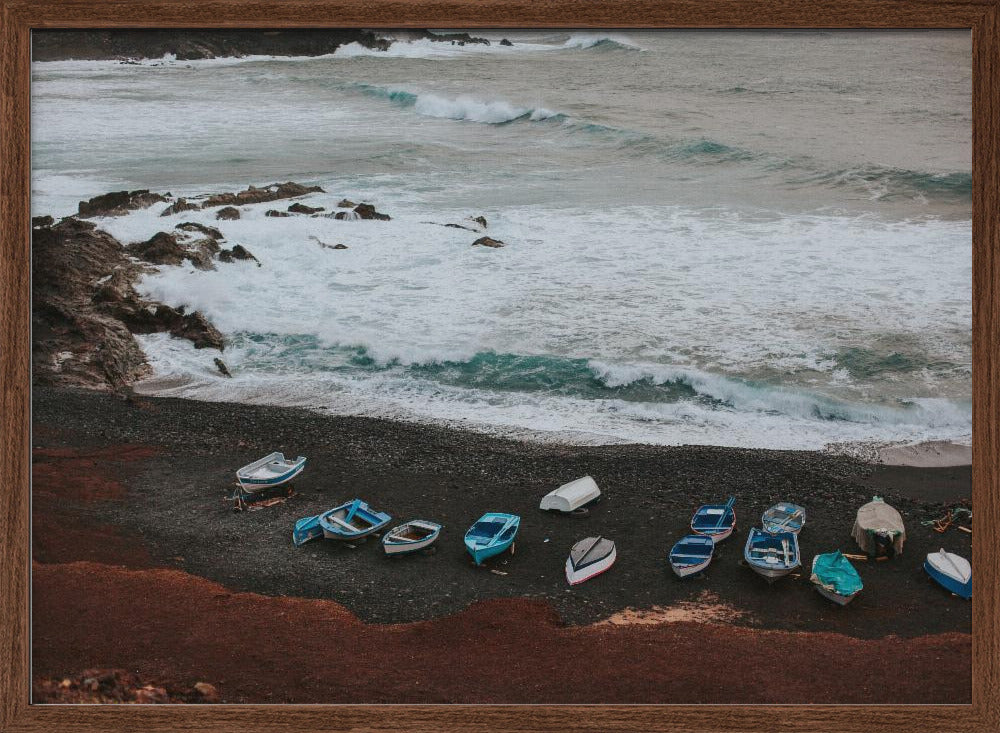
(877, 516)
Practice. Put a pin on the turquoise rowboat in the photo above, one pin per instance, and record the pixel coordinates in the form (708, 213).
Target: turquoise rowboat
(352, 520)
(491, 534)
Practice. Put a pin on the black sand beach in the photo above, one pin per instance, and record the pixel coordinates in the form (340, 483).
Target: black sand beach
(173, 504)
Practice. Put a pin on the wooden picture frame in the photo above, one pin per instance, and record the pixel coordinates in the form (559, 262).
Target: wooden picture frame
(17, 20)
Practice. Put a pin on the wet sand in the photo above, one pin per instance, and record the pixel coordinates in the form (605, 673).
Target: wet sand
(131, 532)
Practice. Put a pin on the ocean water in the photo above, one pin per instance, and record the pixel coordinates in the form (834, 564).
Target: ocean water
(732, 238)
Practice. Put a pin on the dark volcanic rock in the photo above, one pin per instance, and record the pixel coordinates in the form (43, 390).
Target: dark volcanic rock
(275, 212)
(39, 222)
(221, 366)
(488, 242)
(298, 208)
(339, 246)
(480, 220)
(127, 44)
(505, 42)
(190, 226)
(84, 309)
(118, 203)
(362, 211)
(178, 206)
(229, 213)
(239, 252)
(254, 195)
(164, 249)
(346, 204)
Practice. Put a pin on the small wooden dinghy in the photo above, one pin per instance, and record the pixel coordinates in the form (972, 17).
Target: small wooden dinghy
(306, 529)
(413, 536)
(784, 517)
(352, 521)
(953, 572)
(268, 472)
(772, 556)
(589, 557)
(491, 534)
(691, 554)
(835, 578)
(572, 498)
(715, 520)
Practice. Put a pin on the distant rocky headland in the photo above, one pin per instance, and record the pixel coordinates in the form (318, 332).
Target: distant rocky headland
(188, 44)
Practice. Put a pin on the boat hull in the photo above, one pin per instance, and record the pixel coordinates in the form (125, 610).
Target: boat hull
(685, 571)
(306, 529)
(960, 589)
(835, 597)
(575, 577)
(717, 537)
(762, 546)
(254, 485)
(485, 553)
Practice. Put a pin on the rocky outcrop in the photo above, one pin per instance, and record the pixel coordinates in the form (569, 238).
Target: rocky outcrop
(191, 226)
(275, 212)
(346, 204)
(118, 203)
(488, 242)
(228, 213)
(178, 206)
(166, 249)
(362, 211)
(85, 309)
(239, 252)
(254, 195)
(123, 44)
(221, 366)
(298, 208)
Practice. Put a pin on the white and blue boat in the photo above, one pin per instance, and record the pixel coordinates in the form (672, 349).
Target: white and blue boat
(951, 571)
(691, 554)
(492, 534)
(268, 472)
(306, 529)
(715, 520)
(416, 535)
(784, 517)
(772, 556)
(352, 520)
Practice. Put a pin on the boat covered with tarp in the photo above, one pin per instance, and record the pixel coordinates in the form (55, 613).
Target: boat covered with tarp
(835, 578)
(879, 529)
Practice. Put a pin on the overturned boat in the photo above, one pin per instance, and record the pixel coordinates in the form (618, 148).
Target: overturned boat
(492, 534)
(589, 557)
(572, 497)
(270, 471)
(879, 529)
(772, 556)
(835, 578)
(784, 517)
(715, 520)
(952, 572)
(352, 520)
(413, 536)
(691, 554)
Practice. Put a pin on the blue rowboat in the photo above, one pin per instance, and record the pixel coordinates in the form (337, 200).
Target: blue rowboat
(418, 534)
(352, 521)
(784, 517)
(715, 520)
(268, 472)
(835, 578)
(306, 529)
(772, 555)
(951, 571)
(491, 534)
(691, 554)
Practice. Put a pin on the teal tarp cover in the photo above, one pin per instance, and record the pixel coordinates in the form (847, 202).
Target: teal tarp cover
(834, 571)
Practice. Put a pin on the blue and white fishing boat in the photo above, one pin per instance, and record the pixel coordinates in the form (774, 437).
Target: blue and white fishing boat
(691, 554)
(352, 520)
(951, 571)
(835, 578)
(715, 520)
(306, 529)
(772, 555)
(491, 534)
(784, 517)
(413, 536)
(268, 472)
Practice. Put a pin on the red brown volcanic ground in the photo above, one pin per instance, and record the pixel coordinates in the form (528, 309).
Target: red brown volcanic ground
(178, 628)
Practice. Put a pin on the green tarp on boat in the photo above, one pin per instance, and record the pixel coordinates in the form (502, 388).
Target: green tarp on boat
(835, 572)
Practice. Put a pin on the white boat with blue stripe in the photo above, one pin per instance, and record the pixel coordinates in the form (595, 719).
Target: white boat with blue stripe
(268, 472)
